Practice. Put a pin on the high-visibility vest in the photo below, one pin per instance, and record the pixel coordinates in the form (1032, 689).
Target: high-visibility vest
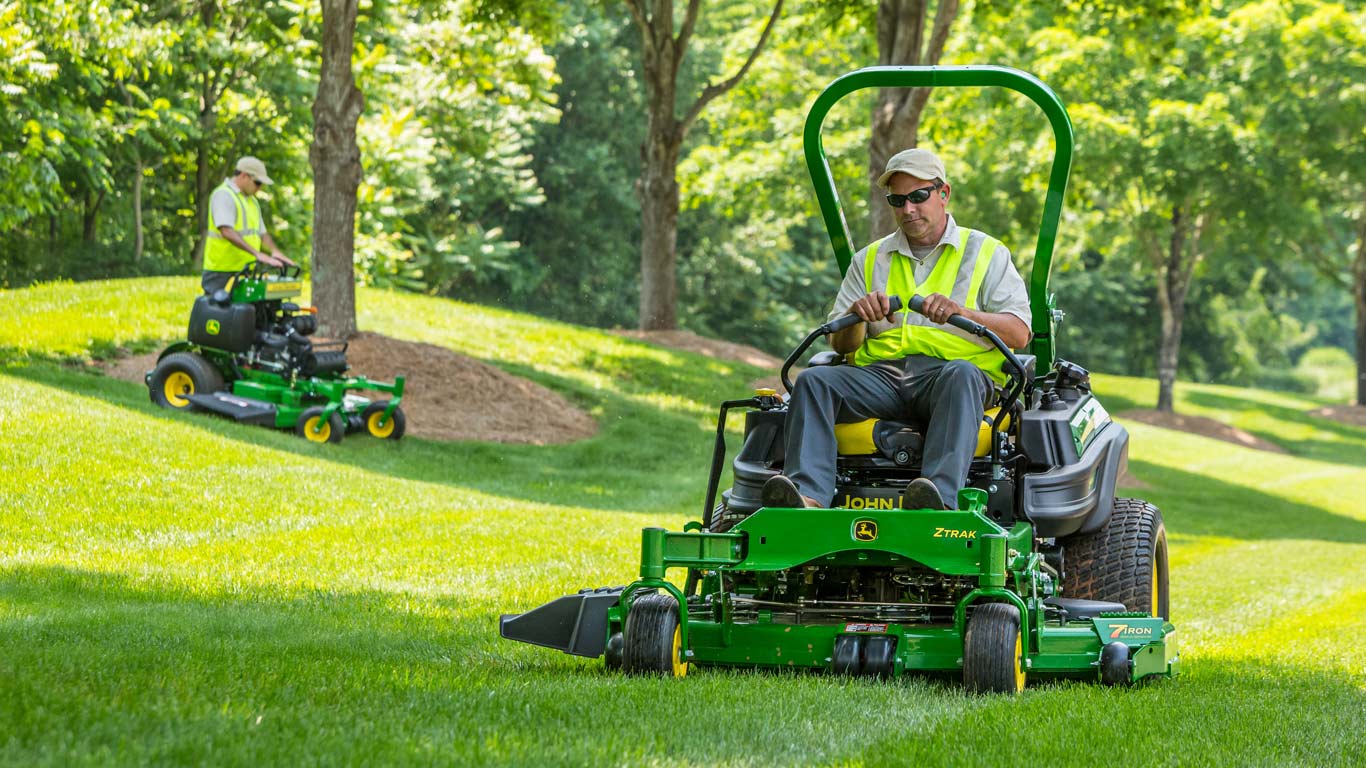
(958, 274)
(221, 255)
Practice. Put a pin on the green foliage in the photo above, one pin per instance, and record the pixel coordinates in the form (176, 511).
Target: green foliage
(501, 144)
(755, 261)
(583, 245)
(340, 602)
(447, 152)
(1332, 372)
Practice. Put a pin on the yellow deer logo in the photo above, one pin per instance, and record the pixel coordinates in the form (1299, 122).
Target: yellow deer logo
(865, 530)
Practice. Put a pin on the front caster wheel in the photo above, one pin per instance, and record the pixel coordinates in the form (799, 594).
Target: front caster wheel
(376, 425)
(315, 429)
(993, 650)
(653, 637)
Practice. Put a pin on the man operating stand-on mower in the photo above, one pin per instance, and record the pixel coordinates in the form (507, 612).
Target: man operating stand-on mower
(236, 231)
(908, 364)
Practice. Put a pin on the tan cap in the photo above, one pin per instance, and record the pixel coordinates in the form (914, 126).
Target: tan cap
(920, 163)
(254, 168)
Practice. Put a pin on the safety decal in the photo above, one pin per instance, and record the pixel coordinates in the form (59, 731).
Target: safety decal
(881, 628)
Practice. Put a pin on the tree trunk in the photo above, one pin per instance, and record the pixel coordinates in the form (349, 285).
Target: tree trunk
(90, 217)
(335, 158)
(659, 236)
(896, 116)
(1173, 282)
(137, 205)
(661, 54)
(203, 182)
(1359, 295)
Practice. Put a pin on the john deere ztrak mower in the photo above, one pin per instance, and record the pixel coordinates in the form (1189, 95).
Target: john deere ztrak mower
(250, 357)
(1040, 573)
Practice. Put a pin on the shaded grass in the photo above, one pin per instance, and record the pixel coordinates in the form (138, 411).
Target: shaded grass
(181, 589)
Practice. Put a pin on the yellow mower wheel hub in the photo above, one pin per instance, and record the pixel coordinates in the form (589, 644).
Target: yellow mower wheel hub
(1019, 664)
(376, 429)
(312, 431)
(680, 668)
(177, 386)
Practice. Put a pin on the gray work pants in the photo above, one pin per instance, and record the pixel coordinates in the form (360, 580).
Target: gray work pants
(947, 396)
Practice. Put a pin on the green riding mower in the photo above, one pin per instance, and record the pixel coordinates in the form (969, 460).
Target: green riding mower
(249, 356)
(1040, 573)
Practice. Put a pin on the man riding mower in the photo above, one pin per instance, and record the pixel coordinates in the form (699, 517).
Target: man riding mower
(1030, 569)
(249, 356)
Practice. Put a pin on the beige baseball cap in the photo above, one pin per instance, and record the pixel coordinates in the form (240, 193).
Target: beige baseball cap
(254, 168)
(920, 163)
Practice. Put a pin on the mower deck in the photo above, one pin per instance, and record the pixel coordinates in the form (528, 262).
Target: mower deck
(241, 409)
(722, 627)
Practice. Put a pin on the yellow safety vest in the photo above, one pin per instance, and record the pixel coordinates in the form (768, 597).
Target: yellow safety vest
(221, 255)
(958, 274)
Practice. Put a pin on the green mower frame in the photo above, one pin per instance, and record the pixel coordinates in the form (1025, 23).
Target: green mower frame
(983, 591)
(249, 357)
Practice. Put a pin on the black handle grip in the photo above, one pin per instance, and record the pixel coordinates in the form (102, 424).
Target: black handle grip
(917, 304)
(840, 323)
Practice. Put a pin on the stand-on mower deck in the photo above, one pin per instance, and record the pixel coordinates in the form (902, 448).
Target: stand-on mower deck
(249, 357)
(1041, 572)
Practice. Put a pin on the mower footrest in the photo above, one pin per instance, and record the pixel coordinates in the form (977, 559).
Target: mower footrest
(574, 624)
(242, 409)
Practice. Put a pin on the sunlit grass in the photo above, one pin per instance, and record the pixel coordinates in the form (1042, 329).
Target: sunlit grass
(180, 589)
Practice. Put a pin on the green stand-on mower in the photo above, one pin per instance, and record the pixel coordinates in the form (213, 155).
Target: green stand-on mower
(249, 357)
(1040, 573)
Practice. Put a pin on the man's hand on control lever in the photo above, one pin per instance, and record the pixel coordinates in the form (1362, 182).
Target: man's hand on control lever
(871, 307)
(939, 307)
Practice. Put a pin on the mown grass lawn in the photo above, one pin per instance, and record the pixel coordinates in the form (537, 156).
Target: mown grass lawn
(179, 589)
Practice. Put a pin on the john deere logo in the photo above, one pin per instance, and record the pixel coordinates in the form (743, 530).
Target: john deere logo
(865, 530)
(212, 327)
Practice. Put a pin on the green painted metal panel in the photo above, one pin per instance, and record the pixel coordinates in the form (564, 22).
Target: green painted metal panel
(950, 541)
(1042, 324)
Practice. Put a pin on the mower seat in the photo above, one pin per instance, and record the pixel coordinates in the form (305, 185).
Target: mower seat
(878, 436)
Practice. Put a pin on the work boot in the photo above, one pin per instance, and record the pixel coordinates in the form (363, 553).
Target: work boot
(920, 494)
(779, 491)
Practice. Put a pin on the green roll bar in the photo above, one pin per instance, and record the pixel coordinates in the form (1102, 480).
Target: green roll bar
(1041, 303)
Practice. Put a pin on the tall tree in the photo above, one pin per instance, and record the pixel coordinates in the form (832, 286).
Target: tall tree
(335, 158)
(1324, 122)
(662, 53)
(901, 41)
(217, 48)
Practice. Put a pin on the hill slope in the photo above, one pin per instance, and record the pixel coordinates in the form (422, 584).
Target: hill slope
(177, 588)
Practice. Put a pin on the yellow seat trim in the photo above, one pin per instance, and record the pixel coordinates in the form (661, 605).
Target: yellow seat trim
(856, 438)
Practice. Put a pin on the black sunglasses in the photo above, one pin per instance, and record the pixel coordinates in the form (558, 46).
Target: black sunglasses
(917, 196)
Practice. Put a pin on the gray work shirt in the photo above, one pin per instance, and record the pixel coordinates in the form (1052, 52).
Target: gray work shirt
(1002, 291)
(224, 210)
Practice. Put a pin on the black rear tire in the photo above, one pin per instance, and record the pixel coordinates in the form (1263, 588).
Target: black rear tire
(651, 639)
(1123, 562)
(180, 374)
(993, 650)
